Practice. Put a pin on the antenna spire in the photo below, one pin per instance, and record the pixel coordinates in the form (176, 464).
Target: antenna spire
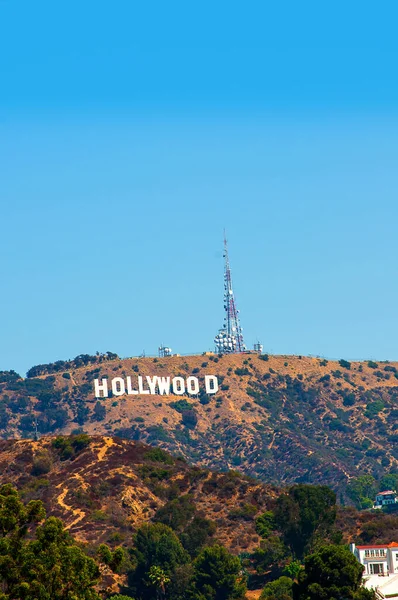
(229, 339)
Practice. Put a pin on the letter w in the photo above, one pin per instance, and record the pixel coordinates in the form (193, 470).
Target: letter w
(164, 385)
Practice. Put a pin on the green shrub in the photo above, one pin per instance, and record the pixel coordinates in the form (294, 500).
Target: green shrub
(42, 463)
(158, 455)
(345, 364)
(181, 405)
(246, 512)
(242, 372)
(373, 408)
(372, 364)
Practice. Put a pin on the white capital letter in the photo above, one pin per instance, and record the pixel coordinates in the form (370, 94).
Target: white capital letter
(178, 386)
(141, 387)
(192, 385)
(130, 390)
(101, 388)
(118, 391)
(163, 385)
(151, 381)
(211, 383)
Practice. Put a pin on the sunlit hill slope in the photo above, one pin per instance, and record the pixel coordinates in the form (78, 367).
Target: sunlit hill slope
(282, 419)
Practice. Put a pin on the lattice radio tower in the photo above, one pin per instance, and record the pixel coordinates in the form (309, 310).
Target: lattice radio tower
(230, 338)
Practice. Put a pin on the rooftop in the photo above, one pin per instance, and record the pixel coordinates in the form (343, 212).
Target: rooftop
(391, 545)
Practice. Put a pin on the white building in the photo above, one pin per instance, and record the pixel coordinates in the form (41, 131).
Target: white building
(381, 567)
(385, 498)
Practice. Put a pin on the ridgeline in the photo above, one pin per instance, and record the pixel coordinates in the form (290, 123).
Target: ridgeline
(282, 419)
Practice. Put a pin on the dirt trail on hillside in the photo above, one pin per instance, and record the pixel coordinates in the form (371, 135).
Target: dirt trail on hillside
(79, 514)
(108, 442)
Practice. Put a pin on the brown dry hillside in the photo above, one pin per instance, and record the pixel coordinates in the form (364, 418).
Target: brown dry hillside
(110, 486)
(104, 488)
(283, 419)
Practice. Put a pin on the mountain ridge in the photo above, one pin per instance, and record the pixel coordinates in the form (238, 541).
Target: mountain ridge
(283, 419)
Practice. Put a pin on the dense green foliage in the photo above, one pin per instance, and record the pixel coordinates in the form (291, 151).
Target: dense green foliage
(304, 515)
(332, 573)
(279, 589)
(62, 365)
(46, 565)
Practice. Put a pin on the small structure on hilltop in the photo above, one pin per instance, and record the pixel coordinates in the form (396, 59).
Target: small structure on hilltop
(164, 351)
(229, 338)
(385, 499)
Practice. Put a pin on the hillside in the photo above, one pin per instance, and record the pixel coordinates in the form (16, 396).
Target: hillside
(105, 488)
(282, 419)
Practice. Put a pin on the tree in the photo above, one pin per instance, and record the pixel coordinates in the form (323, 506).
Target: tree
(280, 589)
(176, 513)
(269, 554)
(331, 573)
(155, 545)
(292, 569)
(389, 482)
(159, 580)
(40, 562)
(362, 491)
(99, 412)
(217, 575)
(305, 514)
(265, 523)
(197, 534)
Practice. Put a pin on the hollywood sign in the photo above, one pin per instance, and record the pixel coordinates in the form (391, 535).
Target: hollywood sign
(154, 385)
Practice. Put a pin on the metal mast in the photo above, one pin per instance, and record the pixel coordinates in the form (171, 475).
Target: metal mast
(230, 338)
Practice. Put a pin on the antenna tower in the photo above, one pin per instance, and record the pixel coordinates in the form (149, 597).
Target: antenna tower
(230, 338)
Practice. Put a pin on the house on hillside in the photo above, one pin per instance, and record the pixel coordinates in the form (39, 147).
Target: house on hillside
(381, 567)
(385, 499)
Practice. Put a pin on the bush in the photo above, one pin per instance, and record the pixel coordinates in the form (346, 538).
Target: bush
(69, 447)
(42, 463)
(241, 372)
(9, 376)
(189, 418)
(246, 512)
(279, 589)
(263, 357)
(99, 412)
(373, 408)
(345, 364)
(181, 405)
(372, 364)
(158, 455)
(349, 399)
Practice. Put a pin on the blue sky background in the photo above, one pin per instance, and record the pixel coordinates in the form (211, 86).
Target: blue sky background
(132, 133)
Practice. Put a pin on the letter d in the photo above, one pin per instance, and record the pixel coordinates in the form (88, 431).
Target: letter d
(211, 383)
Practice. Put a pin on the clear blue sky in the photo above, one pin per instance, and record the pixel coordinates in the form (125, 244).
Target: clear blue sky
(132, 133)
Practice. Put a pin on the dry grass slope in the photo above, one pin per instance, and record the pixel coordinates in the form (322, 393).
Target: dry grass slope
(285, 419)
